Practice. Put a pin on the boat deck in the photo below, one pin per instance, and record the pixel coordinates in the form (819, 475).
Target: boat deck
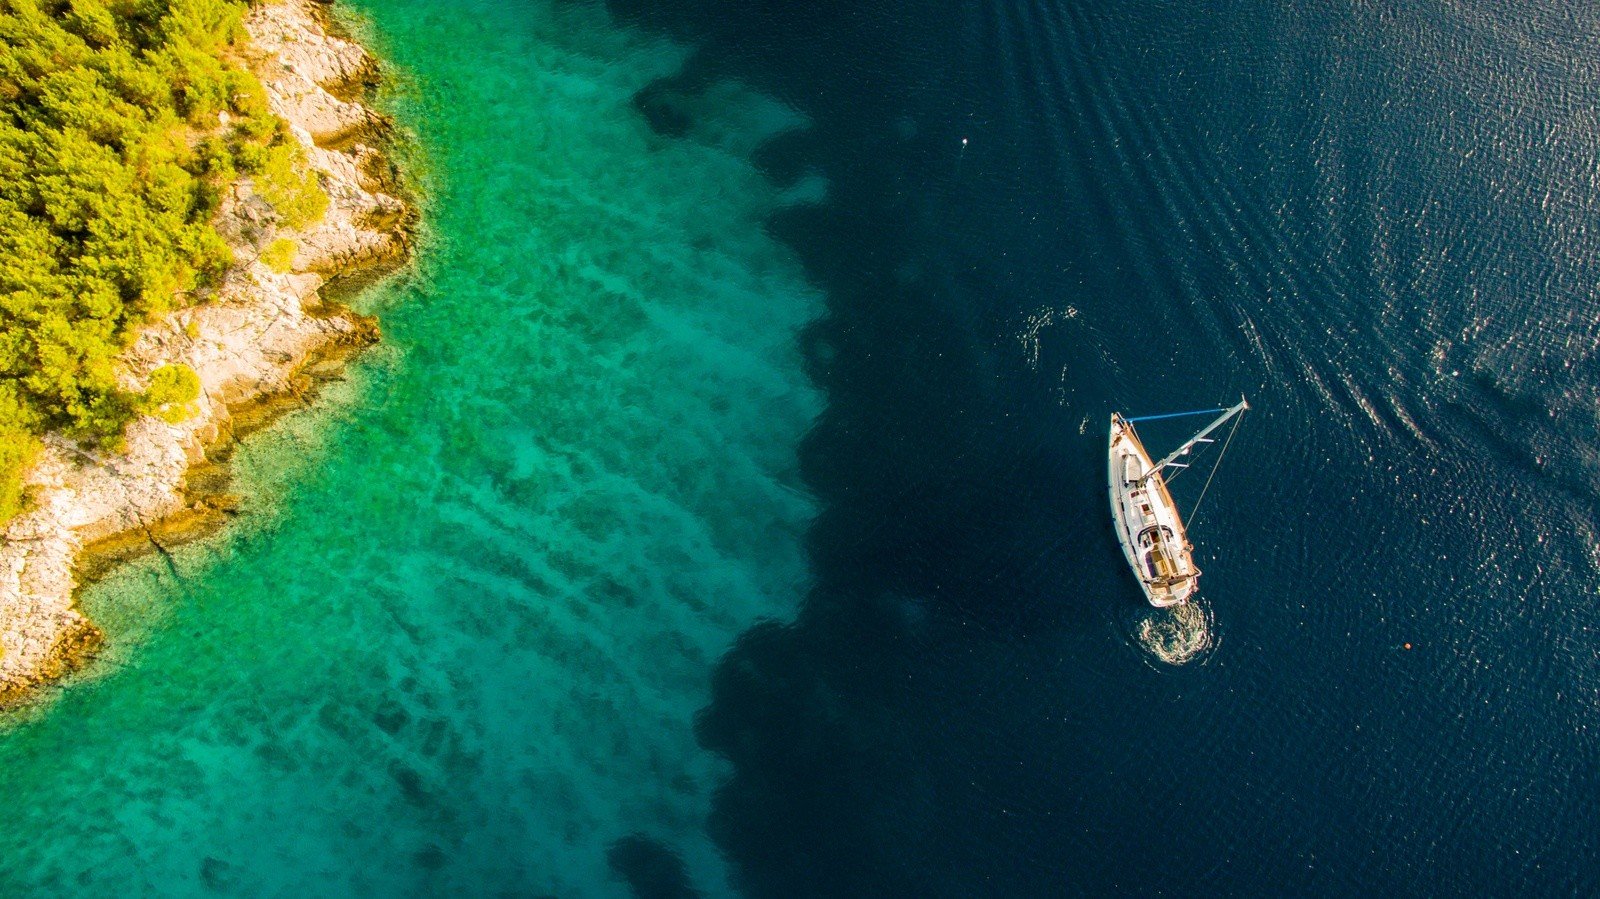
(1147, 521)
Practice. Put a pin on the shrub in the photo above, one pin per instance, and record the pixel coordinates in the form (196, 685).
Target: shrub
(292, 189)
(279, 255)
(172, 393)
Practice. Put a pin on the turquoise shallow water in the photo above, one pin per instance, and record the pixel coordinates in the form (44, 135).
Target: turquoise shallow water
(460, 645)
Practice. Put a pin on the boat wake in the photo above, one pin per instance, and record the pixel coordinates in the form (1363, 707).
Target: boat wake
(1176, 635)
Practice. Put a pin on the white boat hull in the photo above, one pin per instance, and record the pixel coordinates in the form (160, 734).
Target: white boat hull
(1147, 523)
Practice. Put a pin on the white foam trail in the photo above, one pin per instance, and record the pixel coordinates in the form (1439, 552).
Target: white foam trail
(1177, 635)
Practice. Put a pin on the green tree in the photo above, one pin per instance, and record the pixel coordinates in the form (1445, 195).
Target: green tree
(113, 154)
(17, 449)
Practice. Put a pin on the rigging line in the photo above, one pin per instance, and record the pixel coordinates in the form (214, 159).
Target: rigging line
(1175, 415)
(1185, 469)
(1196, 510)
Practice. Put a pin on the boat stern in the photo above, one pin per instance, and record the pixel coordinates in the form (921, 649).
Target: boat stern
(1165, 597)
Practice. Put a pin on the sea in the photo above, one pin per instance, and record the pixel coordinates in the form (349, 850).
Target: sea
(724, 513)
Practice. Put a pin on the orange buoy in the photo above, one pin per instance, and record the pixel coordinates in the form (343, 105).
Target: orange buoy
(1408, 646)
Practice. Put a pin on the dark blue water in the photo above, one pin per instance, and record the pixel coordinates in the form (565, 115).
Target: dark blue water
(1378, 221)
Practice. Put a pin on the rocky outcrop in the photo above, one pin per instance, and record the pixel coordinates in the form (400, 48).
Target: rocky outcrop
(250, 341)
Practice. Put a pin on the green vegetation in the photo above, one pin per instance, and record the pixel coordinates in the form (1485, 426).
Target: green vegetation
(122, 122)
(279, 255)
(173, 390)
(293, 189)
(17, 448)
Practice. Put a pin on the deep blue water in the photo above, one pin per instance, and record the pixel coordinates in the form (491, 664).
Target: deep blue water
(1378, 221)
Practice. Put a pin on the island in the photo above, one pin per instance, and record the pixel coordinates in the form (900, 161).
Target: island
(185, 181)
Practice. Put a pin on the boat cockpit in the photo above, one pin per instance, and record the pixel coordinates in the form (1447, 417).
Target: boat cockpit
(1159, 559)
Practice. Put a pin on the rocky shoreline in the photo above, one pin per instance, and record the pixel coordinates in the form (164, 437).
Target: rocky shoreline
(259, 344)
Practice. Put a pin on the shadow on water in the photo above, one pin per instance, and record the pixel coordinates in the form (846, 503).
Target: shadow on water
(874, 747)
(651, 870)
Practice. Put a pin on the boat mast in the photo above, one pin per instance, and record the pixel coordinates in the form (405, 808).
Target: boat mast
(1228, 413)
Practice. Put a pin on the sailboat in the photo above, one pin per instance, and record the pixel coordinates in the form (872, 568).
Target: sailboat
(1148, 525)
